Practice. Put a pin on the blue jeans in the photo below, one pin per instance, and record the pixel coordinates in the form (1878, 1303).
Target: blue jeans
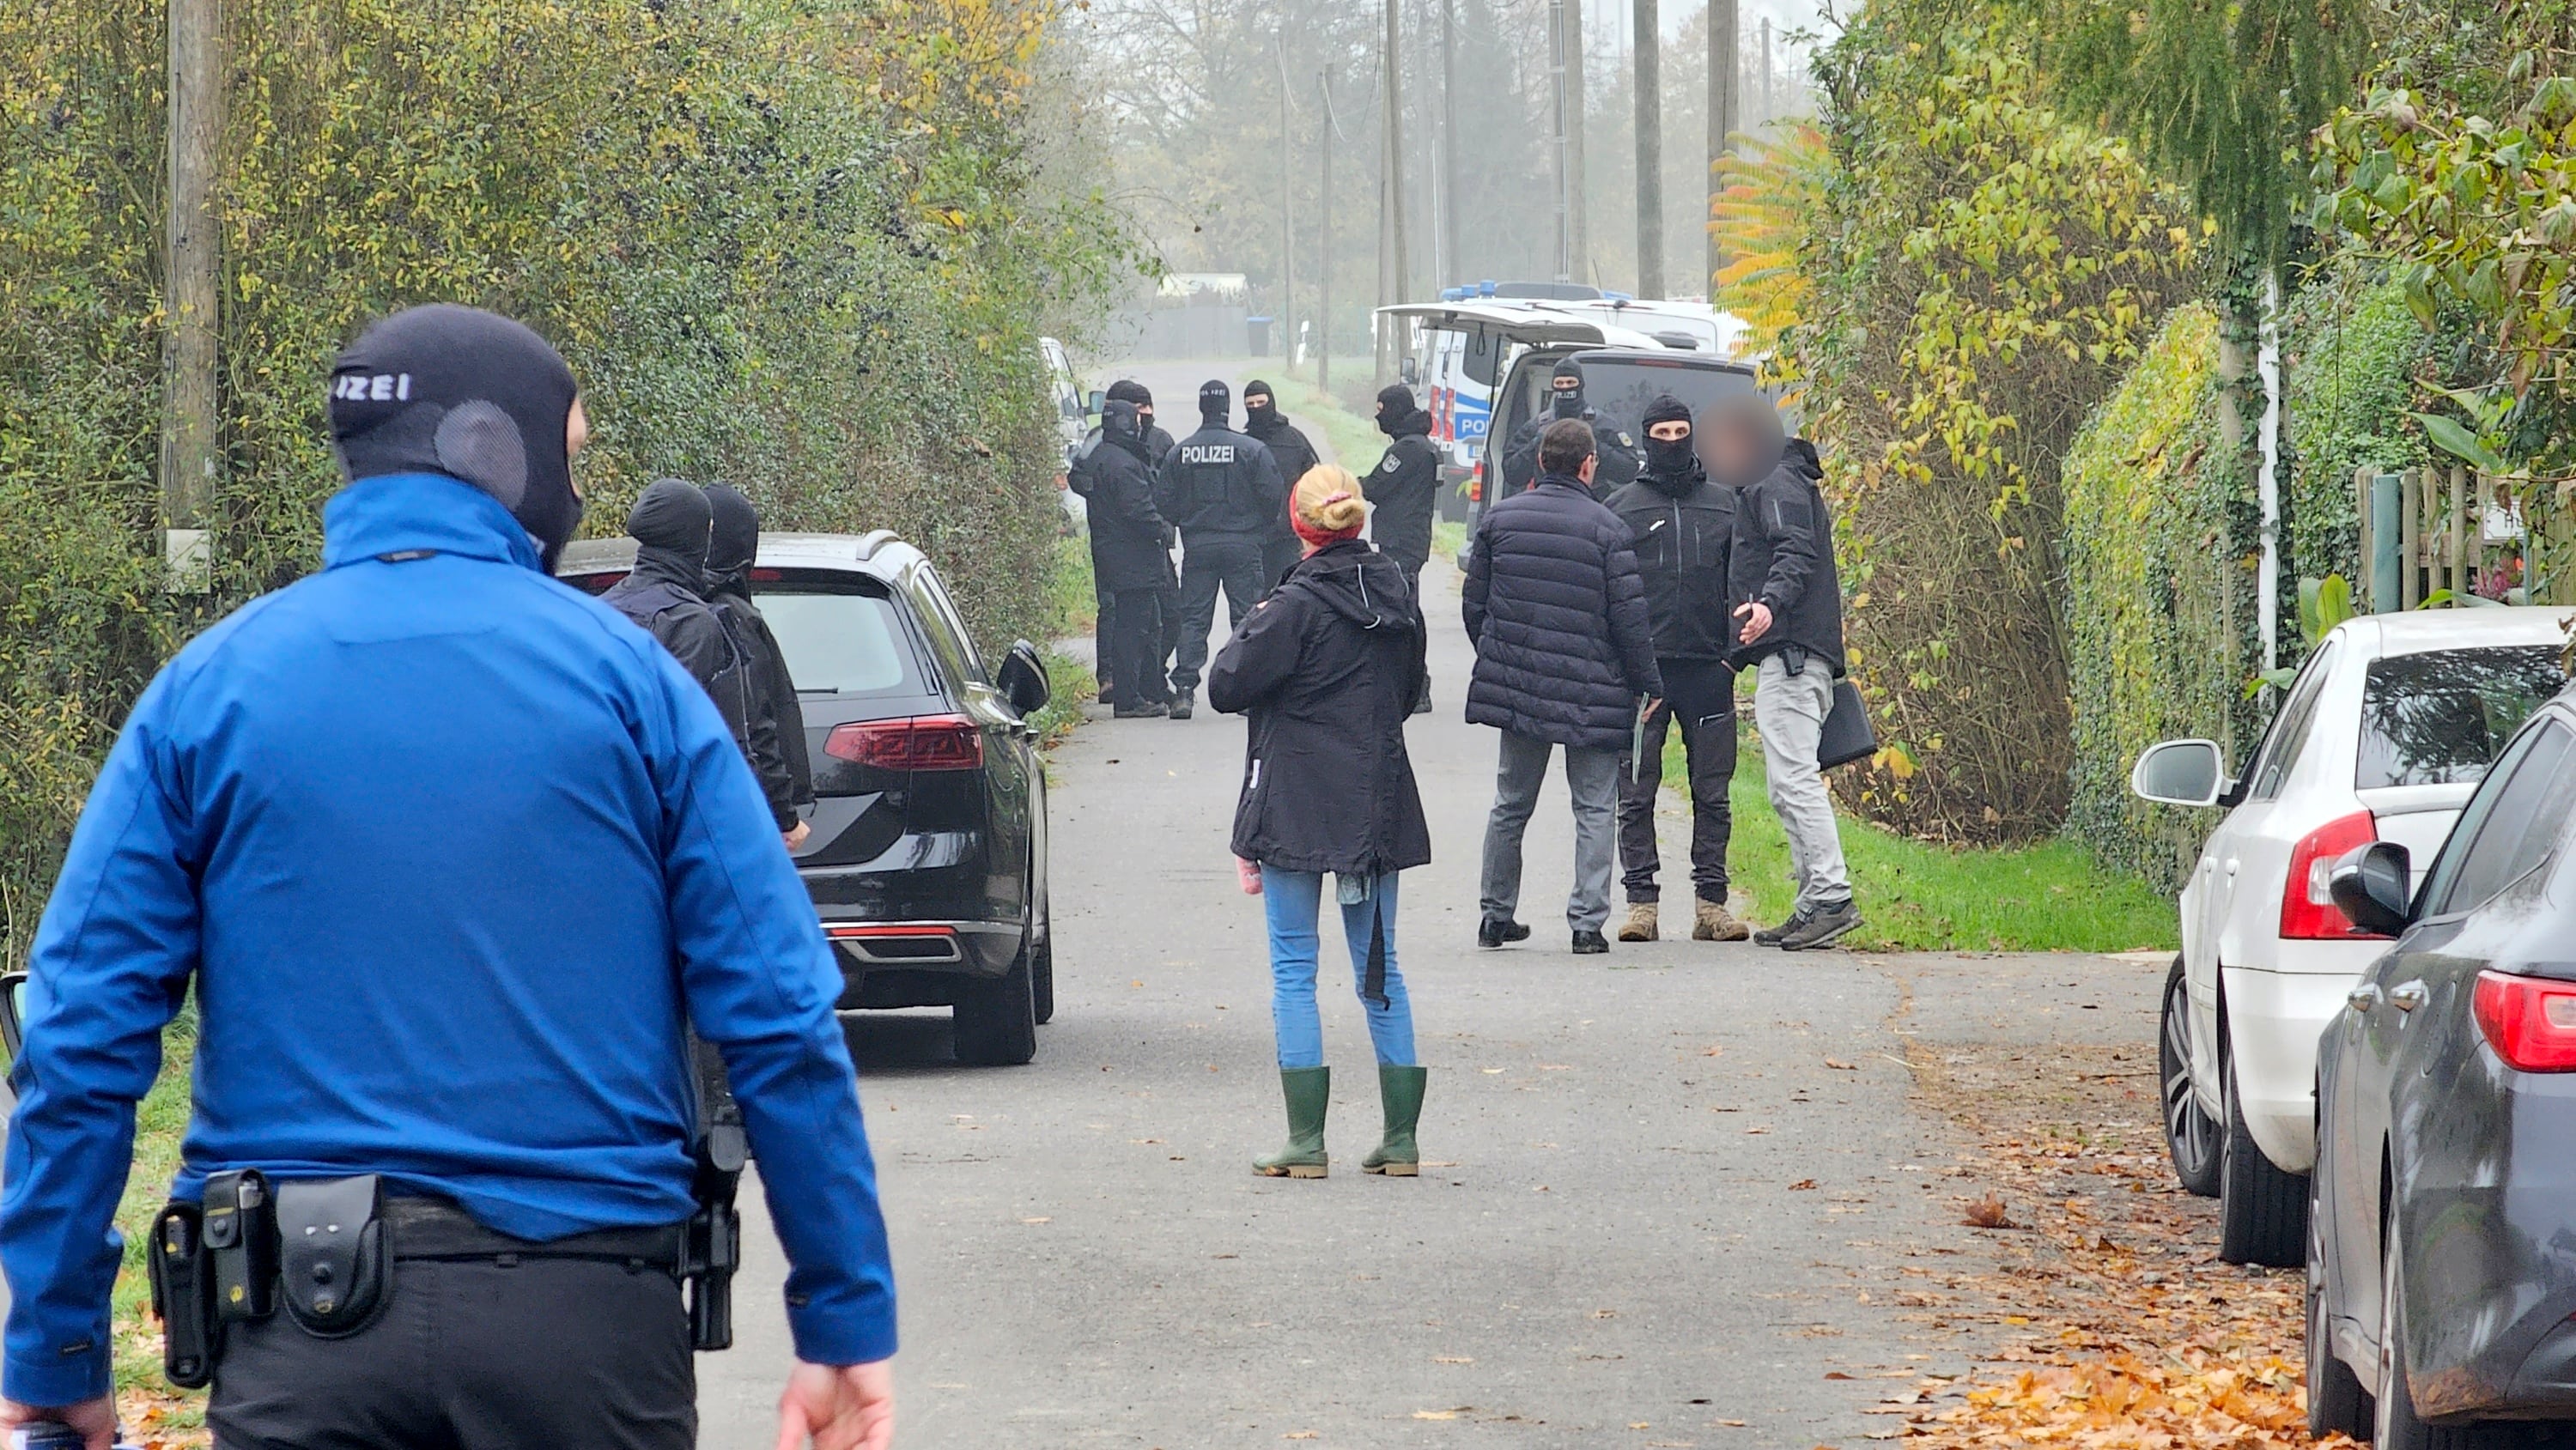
(1293, 900)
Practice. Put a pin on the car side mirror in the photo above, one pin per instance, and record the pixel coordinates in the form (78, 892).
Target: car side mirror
(2372, 887)
(1024, 679)
(2180, 773)
(1091, 402)
(13, 1015)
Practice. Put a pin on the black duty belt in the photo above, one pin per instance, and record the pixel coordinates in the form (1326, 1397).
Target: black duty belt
(433, 1228)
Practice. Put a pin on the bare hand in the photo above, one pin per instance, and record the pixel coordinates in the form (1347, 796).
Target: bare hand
(841, 1407)
(1647, 710)
(795, 839)
(1757, 622)
(95, 1419)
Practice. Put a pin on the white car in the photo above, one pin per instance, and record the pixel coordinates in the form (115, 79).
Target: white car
(2382, 736)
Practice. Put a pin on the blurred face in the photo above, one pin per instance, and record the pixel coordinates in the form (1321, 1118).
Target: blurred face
(1742, 442)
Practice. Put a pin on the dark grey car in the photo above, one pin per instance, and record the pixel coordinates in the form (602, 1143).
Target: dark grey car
(2442, 1236)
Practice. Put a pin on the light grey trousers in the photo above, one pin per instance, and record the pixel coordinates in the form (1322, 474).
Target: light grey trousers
(1592, 777)
(1790, 711)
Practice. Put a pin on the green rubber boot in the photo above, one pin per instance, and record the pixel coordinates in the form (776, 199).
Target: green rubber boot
(1400, 1090)
(1309, 1091)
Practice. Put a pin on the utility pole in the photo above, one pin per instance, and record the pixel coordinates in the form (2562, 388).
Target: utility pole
(1581, 229)
(1449, 139)
(1392, 283)
(1556, 136)
(1722, 88)
(1324, 241)
(1287, 218)
(189, 456)
(1650, 150)
(1768, 111)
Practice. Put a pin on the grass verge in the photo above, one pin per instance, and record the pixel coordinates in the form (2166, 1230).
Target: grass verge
(1920, 896)
(1353, 440)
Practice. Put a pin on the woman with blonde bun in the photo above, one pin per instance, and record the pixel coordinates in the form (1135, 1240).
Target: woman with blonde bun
(1328, 670)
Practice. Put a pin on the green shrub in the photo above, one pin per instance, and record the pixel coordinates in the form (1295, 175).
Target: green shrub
(2350, 349)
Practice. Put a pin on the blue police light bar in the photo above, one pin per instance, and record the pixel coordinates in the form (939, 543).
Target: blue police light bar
(1453, 294)
(1485, 288)
(1619, 296)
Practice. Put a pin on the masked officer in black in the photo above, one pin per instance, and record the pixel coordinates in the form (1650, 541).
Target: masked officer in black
(1167, 602)
(1131, 552)
(1404, 492)
(1683, 523)
(673, 526)
(1620, 463)
(451, 859)
(779, 755)
(1223, 491)
(1294, 453)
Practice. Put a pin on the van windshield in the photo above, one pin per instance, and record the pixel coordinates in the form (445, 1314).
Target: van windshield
(1622, 387)
(2439, 718)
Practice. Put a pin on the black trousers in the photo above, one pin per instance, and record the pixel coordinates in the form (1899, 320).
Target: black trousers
(569, 1354)
(1134, 659)
(1701, 694)
(1229, 562)
(1104, 633)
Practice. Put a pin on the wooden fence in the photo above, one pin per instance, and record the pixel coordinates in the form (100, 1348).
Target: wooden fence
(2454, 529)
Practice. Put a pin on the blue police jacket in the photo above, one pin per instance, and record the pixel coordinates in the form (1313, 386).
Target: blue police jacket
(453, 854)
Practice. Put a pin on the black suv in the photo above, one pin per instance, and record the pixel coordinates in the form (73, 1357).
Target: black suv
(928, 857)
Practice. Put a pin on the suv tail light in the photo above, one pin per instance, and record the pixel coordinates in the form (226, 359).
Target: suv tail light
(2529, 1021)
(1476, 485)
(922, 742)
(2307, 907)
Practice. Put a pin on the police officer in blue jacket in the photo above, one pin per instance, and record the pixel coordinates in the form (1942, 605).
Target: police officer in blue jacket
(453, 857)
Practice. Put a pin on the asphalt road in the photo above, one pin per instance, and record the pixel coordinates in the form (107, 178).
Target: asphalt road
(1605, 1248)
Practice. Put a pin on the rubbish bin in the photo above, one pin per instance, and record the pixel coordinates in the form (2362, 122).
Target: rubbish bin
(1257, 336)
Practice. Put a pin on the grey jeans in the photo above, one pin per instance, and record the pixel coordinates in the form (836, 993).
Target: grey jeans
(1790, 710)
(1592, 776)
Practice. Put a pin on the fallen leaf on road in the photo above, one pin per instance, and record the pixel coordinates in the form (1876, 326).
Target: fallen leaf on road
(1802, 1183)
(1605, 1313)
(1716, 1051)
(1729, 1424)
(1554, 1067)
(1453, 1359)
(1840, 1066)
(1835, 1374)
(1988, 1213)
(1442, 1414)
(1302, 1435)
(1640, 1425)
(1750, 1131)
(1037, 1220)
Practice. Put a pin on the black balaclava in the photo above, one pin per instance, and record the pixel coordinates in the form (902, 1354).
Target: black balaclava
(1216, 404)
(467, 393)
(1128, 390)
(1569, 401)
(1122, 424)
(1741, 439)
(1394, 405)
(672, 524)
(1674, 465)
(1262, 418)
(733, 540)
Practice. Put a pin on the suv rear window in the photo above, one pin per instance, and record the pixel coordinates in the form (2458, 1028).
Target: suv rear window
(840, 642)
(2439, 718)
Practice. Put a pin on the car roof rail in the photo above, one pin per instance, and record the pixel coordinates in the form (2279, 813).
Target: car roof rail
(875, 539)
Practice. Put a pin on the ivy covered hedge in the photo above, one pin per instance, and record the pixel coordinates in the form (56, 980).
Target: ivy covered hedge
(2350, 350)
(794, 244)
(2159, 601)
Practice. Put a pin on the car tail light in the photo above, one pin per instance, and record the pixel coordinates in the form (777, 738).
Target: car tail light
(1476, 484)
(2308, 911)
(923, 742)
(767, 576)
(2529, 1021)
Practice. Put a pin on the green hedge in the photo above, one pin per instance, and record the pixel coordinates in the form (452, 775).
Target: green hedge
(2350, 349)
(2159, 597)
(794, 244)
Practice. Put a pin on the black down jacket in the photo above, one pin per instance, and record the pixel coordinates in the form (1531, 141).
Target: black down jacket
(1404, 489)
(1557, 613)
(1329, 669)
(1219, 482)
(1783, 556)
(1684, 527)
(1129, 542)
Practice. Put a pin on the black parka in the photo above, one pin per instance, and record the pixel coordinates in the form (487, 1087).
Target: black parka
(1404, 490)
(1783, 556)
(1220, 483)
(1557, 614)
(1329, 669)
(1130, 545)
(1620, 462)
(777, 721)
(1684, 529)
(665, 594)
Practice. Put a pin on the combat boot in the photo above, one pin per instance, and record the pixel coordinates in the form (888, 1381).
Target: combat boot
(1183, 701)
(1399, 1091)
(1642, 924)
(1309, 1091)
(1711, 921)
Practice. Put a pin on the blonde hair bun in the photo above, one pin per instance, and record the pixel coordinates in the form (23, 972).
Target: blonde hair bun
(1328, 499)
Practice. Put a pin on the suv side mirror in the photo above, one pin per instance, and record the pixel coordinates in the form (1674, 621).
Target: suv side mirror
(2370, 885)
(1024, 679)
(2180, 773)
(13, 1014)
(1091, 402)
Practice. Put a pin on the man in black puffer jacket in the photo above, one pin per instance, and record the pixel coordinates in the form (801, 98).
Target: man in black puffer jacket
(1565, 655)
(1222, 490)
(1295, 453)
(1078, 478)
(1684, 525)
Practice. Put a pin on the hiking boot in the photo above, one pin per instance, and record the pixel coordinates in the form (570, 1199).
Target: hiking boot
(1309, 1091)
(1823, 925)
(1399, 1092)
(1491, 934)
(1423, 705)
(1183, 701)
(1771, 936)
(1711, 921)
(1147, 710)
(1641, 924)
(1590, 944)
